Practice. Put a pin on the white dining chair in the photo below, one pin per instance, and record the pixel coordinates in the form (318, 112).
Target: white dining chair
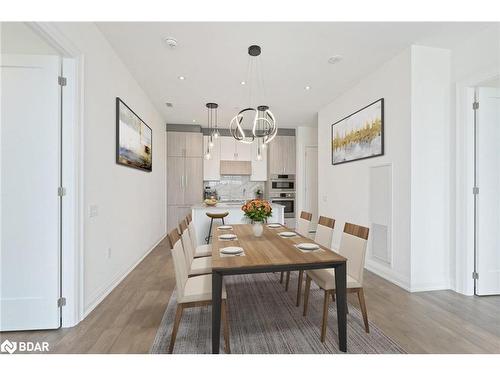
(323, 236)
(193, 292)
(302, 228)
(353, 247)
(195, 266)
(199, 250)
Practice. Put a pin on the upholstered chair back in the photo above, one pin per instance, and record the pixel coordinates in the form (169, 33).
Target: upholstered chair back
(186, 243)
(353, 247)
(181, 273)
(192, 234)
(324, 231)
(303, 223)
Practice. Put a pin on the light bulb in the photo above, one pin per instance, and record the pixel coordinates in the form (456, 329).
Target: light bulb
(215, 134)
(264, 145)
(211, 144)
(259, 157)
(208, 156)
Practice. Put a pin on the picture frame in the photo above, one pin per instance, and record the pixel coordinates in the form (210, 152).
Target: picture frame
(134, 139)
(359, 135)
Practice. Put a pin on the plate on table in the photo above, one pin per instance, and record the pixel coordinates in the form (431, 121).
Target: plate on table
(274, 225)
(225, 227)
(228, 236)
(307, 246)
(287, 234)
(231, 250)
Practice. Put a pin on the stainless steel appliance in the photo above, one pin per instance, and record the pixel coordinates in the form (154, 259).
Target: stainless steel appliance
(285, 199)
(282, 183)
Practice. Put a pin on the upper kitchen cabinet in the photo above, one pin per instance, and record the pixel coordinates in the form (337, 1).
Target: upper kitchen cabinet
(282, 155)
(231, 149)
(259, 167)
(185, 144)
(211, 167)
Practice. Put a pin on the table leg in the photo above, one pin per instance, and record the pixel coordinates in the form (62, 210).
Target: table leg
(340, 285)
(216, 310)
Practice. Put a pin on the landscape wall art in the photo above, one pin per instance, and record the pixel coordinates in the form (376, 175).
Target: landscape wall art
(133, 139)
(359, 135)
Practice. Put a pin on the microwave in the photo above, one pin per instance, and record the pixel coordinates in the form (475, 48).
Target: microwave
(283, 182)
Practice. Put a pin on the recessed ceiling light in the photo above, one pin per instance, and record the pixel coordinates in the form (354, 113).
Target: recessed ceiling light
(182, 78)
(194, 120)
(243, 83)
(335, 59)
(307, 88)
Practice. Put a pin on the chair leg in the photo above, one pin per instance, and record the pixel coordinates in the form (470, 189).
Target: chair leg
(225, 318)
(223, 222)
(281, 277)
(325, 316)
(362, 305)
(177, 320)
(209, 231)
(299, 287)
(287, 280)
(306, 294)
(333, 295)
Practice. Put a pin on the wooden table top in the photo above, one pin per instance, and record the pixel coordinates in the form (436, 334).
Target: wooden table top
(266, 251)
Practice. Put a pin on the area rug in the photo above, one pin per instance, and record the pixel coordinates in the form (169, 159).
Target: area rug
(263, 319)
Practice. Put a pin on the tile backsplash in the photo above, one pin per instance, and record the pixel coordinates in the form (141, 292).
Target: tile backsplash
(235, 187)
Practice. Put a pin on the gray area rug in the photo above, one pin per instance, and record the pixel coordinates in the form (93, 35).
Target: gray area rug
(263, 319)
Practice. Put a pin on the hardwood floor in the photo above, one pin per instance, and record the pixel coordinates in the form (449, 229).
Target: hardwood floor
(426, 322)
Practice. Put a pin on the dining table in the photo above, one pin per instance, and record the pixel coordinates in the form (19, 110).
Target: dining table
(268, 253)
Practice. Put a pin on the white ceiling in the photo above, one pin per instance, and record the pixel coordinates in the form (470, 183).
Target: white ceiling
(213, 58)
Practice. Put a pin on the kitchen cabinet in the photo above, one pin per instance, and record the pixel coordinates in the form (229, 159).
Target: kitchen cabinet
(259, 167)
(184, 174)
(211, 167)
(185, 144)
(282, 155)
(231, 149)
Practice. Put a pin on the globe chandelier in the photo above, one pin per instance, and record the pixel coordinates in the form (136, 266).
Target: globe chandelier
(254, 122)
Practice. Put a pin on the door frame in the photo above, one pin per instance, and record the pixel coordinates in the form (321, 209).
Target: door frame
(464, 181)
(304, 187)
(73, 171)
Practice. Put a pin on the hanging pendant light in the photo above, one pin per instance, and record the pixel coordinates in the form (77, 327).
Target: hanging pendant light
(213, 131)
(260, 120)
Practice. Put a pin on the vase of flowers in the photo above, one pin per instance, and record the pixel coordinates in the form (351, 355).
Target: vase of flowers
(257, 210)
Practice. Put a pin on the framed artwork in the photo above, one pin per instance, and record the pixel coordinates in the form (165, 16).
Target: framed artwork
(134, 139)
(359, 135)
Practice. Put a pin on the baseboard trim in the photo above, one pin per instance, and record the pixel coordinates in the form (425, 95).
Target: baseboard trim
(430, 287)
(101, 295)
(387, 274)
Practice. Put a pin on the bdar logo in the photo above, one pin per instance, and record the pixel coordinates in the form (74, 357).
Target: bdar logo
(8, 347)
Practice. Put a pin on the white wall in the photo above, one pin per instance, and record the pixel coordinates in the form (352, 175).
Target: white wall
(344, 189)
(304, 136)
(430, 168)
(131, 203)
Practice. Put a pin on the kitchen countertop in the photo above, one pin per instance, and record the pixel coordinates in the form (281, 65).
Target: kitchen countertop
(227, 205)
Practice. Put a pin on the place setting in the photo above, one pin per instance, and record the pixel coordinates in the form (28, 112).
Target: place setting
(228, 237)
(225, 227)
(307, 247)
(274, 225)
(231, 251)
(287, 234)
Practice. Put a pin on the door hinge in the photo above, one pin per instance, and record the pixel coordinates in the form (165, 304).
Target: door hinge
(475, 275)
(61, 191)
(475, 190)
(61, 81)
(475, 105)
(61, 302)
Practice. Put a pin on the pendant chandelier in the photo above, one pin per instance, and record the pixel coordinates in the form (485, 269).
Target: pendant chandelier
(213, 128)
(254, 123)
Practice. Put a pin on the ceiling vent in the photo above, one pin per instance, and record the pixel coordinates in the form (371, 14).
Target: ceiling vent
(169, 105)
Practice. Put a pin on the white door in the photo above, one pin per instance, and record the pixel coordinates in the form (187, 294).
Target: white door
(30, 206)
(488, 199)
(311, 181)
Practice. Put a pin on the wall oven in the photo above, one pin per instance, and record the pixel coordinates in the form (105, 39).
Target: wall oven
(285, 199)
(282, 182)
